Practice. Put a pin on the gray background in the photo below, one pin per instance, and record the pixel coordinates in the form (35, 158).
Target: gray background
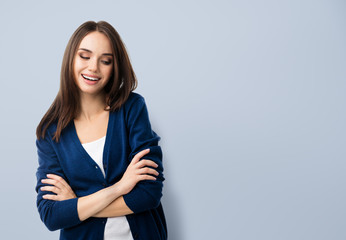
(248, 97)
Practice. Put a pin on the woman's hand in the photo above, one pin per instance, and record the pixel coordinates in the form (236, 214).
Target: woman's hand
(60, 187)
(138, 170)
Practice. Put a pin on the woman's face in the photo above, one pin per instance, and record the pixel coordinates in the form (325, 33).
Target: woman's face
(93, 63)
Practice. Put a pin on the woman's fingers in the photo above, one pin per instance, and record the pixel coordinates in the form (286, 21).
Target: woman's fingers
(59, 186)
(146, 177)
(59, 179)
(148, 163)
(144, 165)
(139, 155)
(50, 189)
(148, 171)
(138, 170)
(58, 183)
(51, 197)
(53, 182)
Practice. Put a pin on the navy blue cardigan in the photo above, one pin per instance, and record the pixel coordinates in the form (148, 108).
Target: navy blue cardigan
(129, 131)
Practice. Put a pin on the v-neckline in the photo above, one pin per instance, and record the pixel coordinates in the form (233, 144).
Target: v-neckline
(79, 145)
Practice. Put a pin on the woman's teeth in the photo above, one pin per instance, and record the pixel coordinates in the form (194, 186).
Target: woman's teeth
(90, 78)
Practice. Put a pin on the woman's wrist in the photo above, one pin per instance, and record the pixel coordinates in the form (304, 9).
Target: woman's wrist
(91, 204)
(118, 189)
(115, 191)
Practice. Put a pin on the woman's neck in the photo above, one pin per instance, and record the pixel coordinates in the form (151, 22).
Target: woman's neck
(91, 106)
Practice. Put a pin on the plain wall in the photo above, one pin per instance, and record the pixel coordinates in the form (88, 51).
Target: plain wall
(248, 98)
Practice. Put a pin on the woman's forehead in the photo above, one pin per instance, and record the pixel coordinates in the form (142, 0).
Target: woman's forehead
(96, 42)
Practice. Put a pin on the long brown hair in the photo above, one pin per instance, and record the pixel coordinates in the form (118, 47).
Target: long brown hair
(66, 104)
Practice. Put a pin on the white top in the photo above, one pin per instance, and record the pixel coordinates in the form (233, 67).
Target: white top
(117, 228)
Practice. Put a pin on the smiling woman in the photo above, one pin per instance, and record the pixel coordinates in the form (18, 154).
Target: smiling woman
(93, 181)
(95, 52)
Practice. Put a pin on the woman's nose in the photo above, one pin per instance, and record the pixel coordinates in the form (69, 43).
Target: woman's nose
(92, 65)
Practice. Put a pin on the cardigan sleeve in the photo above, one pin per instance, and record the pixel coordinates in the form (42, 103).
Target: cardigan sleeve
(54, 214)
(146, 194)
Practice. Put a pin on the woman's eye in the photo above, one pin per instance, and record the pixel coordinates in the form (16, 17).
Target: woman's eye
(83, 57)
(106, 62)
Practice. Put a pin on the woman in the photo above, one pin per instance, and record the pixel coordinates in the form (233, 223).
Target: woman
(100, 168)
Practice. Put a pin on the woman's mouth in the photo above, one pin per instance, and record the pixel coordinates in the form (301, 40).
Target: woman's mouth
(90, 78)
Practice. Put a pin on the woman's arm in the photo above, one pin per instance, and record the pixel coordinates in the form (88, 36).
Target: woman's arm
(63, 192)
(136, 171)
(54, 214)
(116, 209)
(145, 195)
(89, 205)
(96, 204)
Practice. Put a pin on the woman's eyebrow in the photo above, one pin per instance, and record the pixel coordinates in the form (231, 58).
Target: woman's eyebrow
(87, 50)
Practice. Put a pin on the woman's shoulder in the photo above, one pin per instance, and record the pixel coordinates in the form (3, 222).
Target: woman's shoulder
(133, 100)
(50, 129)
(48, 135)
(133, 97)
